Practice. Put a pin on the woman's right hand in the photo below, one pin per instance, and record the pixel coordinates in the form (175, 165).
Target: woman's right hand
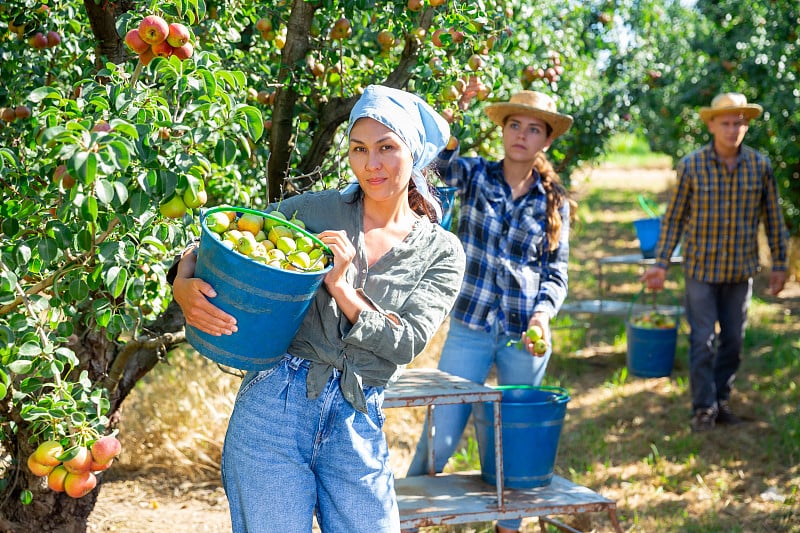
(192, 296)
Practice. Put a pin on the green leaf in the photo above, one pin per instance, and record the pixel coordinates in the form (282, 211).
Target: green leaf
(253, 121)
(26, 497)
(48, 249)
(104, 191)
(224, 152)
(37, 95)
(79, 290)
(156, 243)
(84, 240)
(89, 209)
(30, 349)
(116, 278)
(20, 366)
(120, 152)
(103, 317)
(121, 191)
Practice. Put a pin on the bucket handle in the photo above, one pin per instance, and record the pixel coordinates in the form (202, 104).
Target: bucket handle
(560, 394)
(264, 214)
(646, 205)
(655, 306)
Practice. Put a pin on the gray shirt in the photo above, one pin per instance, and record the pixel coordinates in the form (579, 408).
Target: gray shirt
(416, 282)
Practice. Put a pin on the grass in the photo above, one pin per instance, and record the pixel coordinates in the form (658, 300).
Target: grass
(627, 150)
(624, 436)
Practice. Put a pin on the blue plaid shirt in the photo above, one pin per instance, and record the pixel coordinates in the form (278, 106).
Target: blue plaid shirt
(510, 274)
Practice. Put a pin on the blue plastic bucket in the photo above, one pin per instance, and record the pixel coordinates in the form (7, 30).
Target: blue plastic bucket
(447, 196)
(651, 351)
(269, 303)
(647, 230)
(532, 418)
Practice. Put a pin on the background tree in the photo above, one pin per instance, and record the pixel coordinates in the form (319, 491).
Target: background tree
(745, 46)
(104, 148)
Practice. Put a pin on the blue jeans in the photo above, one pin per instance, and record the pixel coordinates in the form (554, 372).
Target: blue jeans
(715, 358)
(287, 457)
(470, 354)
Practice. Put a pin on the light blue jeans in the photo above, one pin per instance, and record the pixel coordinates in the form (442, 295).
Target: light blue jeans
(287, 457)
(470, 354)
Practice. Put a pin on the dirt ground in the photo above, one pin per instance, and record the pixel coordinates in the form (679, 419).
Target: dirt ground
(155, 500)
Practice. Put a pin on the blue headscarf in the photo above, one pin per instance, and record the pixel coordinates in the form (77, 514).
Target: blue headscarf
(420, 127)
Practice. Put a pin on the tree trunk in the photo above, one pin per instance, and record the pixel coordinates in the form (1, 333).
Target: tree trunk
(103, 20)
(282, 140)
(49, 511)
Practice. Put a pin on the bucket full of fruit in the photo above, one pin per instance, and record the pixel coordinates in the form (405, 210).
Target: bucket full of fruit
(652, 336)
(266, 271)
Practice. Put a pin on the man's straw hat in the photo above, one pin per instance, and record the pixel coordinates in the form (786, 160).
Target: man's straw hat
(531, 103)
(730, 103)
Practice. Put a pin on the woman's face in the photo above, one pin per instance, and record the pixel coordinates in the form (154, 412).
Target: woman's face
(380, 160)
(524, 137)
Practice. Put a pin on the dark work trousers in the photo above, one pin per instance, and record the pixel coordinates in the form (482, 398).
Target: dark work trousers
(714, 357)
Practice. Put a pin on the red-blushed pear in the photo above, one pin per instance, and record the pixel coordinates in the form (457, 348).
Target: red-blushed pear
(80, 484)
(53, 39)
(101, 126)
(162, 49)
(415, 5)
(183, 52)
(47, 453)
(153, 29)
(97, 467)
(436, 37)
(55, 479)
(8, 114)
(62, 176)
(105, 449)
(178, 35)
(385, 38)
(38, 41)
(146, 57)
(341, 29)
(263, 25)
(80, 463)
(22, 112)
(437, 3)
(37, 468)
(135, 42)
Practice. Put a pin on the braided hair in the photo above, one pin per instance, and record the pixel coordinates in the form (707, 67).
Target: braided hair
(556, 196)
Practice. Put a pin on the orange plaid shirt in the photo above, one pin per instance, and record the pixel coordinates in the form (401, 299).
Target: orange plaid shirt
(717, 213)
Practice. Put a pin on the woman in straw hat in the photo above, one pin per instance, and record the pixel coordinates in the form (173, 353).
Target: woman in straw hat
(724, 189)
(514, 225)
(305, 436)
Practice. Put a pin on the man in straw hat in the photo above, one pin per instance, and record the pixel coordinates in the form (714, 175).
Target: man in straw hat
(724, 189)
(514, 224)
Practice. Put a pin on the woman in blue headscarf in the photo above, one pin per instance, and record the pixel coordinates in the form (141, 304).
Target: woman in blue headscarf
(306, 435)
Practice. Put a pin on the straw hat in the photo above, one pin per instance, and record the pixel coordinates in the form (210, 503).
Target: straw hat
(531, 103)
(730, 103)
